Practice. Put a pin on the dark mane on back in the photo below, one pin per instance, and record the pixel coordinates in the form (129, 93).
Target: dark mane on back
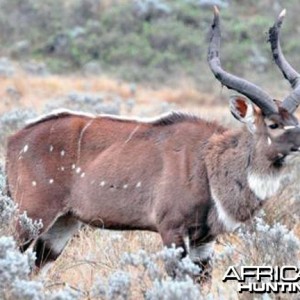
(174, 118)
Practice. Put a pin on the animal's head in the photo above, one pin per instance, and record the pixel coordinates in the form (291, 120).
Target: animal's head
(272, 123)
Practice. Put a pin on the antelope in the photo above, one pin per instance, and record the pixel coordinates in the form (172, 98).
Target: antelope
(183, 177)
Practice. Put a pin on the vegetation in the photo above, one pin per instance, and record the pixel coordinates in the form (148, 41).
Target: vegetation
(151, 41)
(144, 42)
(101, 264)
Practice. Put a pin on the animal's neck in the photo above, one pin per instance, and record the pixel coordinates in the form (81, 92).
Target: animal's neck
(240, 176)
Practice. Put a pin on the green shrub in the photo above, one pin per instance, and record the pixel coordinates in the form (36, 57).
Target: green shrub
(143, 40)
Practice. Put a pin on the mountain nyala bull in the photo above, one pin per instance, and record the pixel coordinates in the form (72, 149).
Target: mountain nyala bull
(179, 175)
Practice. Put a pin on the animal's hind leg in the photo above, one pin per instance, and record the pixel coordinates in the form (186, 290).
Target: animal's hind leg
(50, 244)
(24, 236)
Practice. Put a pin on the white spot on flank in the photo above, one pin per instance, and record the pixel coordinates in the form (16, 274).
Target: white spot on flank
(51, 181)
(73, 166)
(25, 149)
(62, 153)
(82, 175)
(125, 186)
(78, 170)
(62, 168)
(102, 183)
(225, 218)
(51, 148)
(138, 184)
(33, 183)
(264, 186)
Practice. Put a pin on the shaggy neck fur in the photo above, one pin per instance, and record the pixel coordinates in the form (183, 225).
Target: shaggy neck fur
(241, 175)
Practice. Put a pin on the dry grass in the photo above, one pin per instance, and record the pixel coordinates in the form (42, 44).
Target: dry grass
(33, 91)
(94, 254)
(97, 253)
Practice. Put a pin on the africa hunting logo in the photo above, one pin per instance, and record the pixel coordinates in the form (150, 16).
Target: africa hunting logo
(265, 279)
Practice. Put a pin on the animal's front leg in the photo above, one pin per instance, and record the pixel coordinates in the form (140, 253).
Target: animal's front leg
(173, 237)
(201, 254)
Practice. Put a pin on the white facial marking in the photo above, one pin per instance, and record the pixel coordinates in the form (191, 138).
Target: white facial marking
(289, 127)
(33, 183)
(82, 175)
(225, 218)
(78, 170)
(201, 252)
(138, 184)
(51, 181)
(269, 141)
(102, 183)
(62, 153)
(264, 186)
(25, 149)
(73, 166)
(125, 186)
(51, 148)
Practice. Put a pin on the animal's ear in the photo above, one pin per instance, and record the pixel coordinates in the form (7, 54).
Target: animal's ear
(243, 110)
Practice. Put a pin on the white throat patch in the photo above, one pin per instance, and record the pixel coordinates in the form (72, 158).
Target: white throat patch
(264, 186)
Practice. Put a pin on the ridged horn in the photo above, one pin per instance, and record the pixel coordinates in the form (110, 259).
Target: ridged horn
(250, 90)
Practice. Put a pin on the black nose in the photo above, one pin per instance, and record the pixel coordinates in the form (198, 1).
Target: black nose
(294, 149)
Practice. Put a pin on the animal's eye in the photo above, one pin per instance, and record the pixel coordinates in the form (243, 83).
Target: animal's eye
(273, 126)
